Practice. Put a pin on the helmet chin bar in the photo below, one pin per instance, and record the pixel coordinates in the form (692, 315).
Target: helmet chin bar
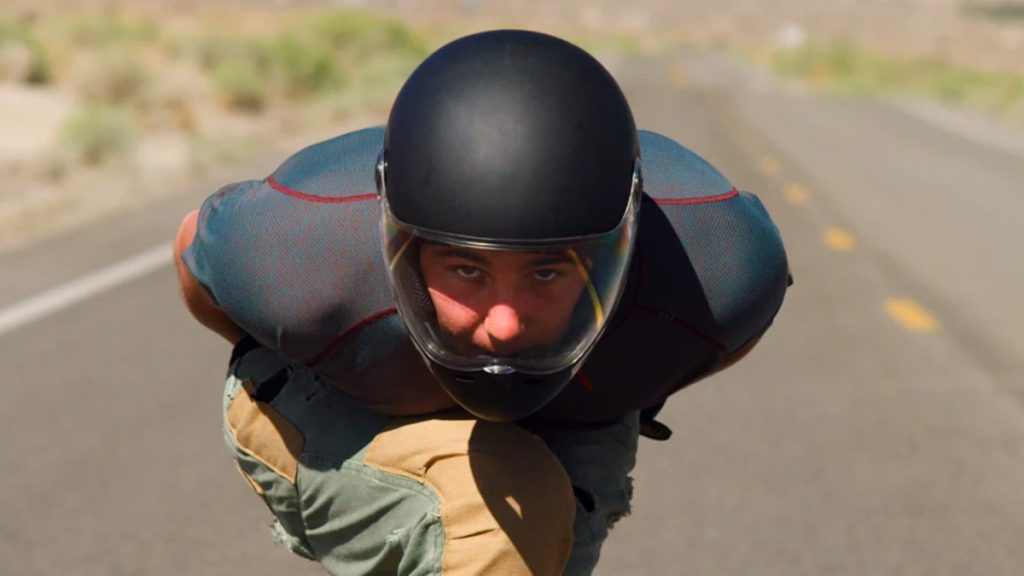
(499, 393)
(499, 369)
(501, 397)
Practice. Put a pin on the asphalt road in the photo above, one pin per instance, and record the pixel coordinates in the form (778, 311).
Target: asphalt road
(877, 429)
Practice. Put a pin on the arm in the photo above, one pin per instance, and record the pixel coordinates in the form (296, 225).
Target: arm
(198, 302)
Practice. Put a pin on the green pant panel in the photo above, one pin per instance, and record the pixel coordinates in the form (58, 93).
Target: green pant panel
(351, 518)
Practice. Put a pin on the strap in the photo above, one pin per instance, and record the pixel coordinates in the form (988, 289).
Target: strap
(655, 430)
(243, 347)
(651, 428)
(265, 389)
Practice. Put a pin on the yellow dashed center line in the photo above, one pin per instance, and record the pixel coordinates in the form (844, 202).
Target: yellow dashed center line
(911, 315)
(796, 194)
(838, 240)
(769, 166)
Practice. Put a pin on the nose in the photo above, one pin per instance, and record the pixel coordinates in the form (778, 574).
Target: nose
(503, 323)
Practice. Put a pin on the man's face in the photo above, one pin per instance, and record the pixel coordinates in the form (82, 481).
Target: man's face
(497, 302)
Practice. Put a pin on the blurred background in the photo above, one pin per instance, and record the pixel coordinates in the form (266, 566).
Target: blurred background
(876, 430)
(121, 97)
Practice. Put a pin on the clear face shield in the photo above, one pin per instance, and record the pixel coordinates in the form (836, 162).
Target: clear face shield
(535, 308)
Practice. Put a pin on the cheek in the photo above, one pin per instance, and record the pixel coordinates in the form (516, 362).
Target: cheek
(452, 315)
(552, 311)
(559, 311)
(563, 301)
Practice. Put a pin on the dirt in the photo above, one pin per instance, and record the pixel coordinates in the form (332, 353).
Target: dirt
(31, 118)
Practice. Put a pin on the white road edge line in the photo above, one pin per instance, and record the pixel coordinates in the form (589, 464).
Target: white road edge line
(80, 289)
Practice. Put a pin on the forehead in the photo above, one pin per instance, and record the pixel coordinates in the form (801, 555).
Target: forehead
(495, 257)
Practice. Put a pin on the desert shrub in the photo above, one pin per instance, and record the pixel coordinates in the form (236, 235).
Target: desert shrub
(214, 51)
(22, 57)
(321, 53)
(311, 56)
(240, 67)
(111, 77)
(842, 67)
(242, 85)
(358, 34)
(97, 133)
(847, 68)
(304, 66)
(95, 30)
(998, 11)
(211, 51)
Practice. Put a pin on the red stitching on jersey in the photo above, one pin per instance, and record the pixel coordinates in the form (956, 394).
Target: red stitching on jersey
(358, 325)
(702, 200)
(682, 323)
(310, 198)
(585, 380)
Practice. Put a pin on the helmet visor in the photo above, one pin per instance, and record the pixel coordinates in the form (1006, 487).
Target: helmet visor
(477, 305)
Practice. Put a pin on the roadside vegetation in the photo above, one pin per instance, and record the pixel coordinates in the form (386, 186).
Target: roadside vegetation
(22, 58)
(849, 69)
(998, 11)
(105, 108)
(136, 74)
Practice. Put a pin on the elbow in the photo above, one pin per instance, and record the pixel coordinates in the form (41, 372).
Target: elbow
(198, 302)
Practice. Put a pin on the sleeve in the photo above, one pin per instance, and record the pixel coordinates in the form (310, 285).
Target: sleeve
(293, 274)
(201, 255)
(743, 269)
(716, 261)
(716, 269)
(245, 257)
(735, 275)
(294, 259)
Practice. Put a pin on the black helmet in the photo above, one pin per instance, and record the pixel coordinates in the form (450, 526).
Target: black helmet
(510, 184)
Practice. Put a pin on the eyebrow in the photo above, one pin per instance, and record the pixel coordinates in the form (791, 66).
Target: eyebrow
(449, 252)
(544, 259)
(551, 259)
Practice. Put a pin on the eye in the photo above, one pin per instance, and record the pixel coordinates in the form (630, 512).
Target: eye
(546, 274)
(468, 272)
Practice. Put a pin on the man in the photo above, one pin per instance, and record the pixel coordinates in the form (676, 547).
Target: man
(547, 287)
